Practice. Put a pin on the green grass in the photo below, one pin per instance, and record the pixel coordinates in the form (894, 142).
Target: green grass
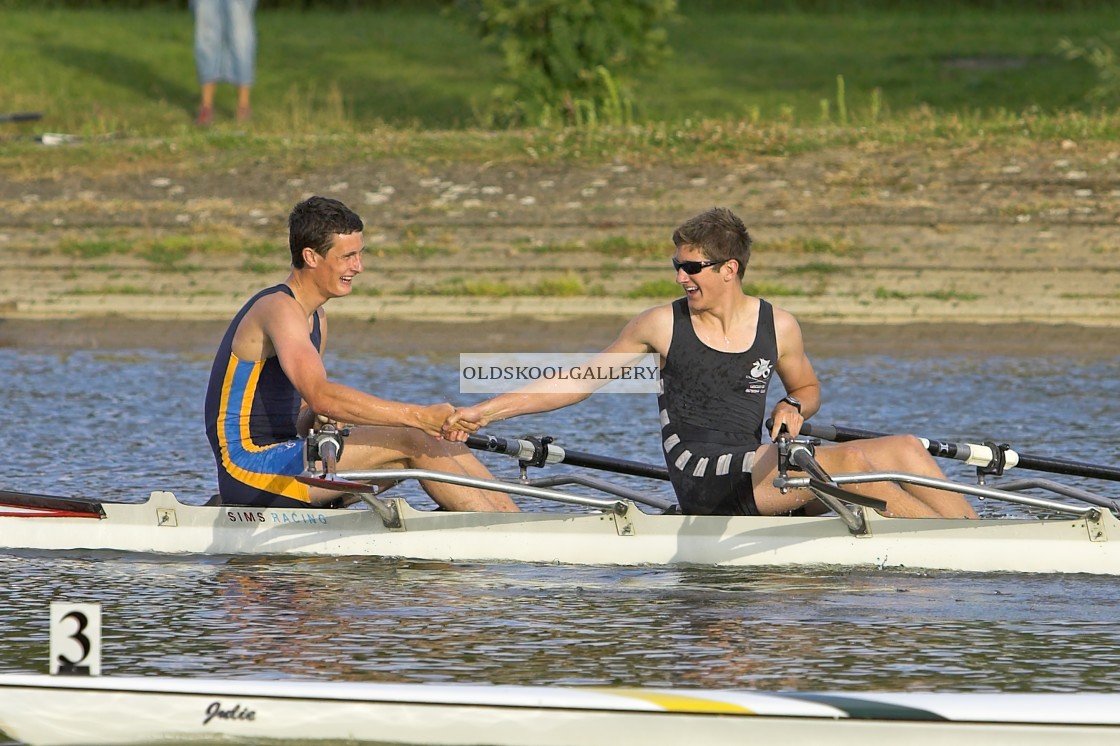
(258, 267)
(775, 290)
(560, 287)
(92, 249)
(656, 289)
(882, 293)
(166, 254)
(817, 269)
(169, 251)
(407, 82)
(615, 246)
(104, 71)
(132, 71)
(413, 250)
(113, 290)
(951, 60)
(815, 245)
(670, 289)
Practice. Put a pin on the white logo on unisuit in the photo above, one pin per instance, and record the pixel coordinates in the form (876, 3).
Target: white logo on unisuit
(761, 369)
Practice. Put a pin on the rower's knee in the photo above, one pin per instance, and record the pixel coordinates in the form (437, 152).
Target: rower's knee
(904, 444)
(852, 459)
(418, 443)
(911, 455)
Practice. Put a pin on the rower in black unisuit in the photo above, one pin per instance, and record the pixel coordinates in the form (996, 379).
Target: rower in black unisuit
(712, 407)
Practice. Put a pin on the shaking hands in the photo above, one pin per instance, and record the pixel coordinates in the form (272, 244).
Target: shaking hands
(462, 422)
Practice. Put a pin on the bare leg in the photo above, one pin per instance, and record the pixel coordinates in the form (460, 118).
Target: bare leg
(895, 453)
(402, 447)
(905, 453)
(206, 106)
(244, 111)
(770, 501)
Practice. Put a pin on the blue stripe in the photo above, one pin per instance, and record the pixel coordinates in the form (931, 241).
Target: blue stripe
(282, 458)
(234, 398)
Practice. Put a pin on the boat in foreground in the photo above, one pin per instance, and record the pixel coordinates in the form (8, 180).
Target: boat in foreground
(1078, 536)
(63, 710)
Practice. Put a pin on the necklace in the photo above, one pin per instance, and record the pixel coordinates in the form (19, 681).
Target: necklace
(726, 340)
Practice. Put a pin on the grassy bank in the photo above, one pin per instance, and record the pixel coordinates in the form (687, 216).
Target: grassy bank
(132, 72)
(958, 146)
(401, 82)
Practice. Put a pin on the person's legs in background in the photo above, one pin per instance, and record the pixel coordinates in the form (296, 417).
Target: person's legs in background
(207, 54)
(242, 45)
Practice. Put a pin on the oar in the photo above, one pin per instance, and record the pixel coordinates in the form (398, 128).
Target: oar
(541, 451)
(974, 454)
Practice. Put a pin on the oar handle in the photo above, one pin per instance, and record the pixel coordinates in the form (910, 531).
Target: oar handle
(973, 453)
(541, 451)
(325, 445)
(835, 433)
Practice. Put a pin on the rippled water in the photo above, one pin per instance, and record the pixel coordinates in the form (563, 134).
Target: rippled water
(119, 424)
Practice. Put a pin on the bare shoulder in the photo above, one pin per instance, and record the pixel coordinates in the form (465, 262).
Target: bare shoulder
(785, 321)
(656, 316)
(275, 310)
(651, 329)
(264, 325)
(322, 314)
(787, 331)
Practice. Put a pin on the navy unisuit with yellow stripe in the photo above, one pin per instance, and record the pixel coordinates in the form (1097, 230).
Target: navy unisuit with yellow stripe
(251, 412)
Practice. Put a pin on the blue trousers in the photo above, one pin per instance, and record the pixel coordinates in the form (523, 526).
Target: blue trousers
(225, 41)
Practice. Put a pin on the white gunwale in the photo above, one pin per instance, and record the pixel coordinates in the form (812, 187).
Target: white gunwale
(605, 531)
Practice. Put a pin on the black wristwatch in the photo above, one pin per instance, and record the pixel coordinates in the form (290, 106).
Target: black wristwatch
(793, 402)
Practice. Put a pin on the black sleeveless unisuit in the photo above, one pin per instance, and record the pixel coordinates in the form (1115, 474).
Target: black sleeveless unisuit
(712, 407)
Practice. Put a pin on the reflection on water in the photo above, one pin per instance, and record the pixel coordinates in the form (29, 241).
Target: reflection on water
(117, 425)
(368, 619)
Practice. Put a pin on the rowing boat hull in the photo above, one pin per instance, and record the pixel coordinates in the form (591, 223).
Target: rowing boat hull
(163, 525)
(56, 711)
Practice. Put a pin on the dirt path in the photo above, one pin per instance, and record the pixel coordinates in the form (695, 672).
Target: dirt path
(862, 236)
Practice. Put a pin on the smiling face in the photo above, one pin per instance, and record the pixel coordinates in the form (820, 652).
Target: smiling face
(334, 273)
(707, 285)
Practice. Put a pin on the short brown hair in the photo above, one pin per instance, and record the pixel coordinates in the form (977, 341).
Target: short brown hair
(717, 233)
(314, 223)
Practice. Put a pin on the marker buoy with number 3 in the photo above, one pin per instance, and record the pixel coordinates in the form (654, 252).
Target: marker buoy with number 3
(76, 639)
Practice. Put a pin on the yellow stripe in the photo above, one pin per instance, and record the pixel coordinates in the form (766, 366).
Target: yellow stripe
(280, 485)
(246, 408)
(679, 702)
(223, 410)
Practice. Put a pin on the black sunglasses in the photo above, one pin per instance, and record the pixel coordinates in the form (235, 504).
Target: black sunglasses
(692, 268)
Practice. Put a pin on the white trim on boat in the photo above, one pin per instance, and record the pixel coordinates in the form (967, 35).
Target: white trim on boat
(63, 710)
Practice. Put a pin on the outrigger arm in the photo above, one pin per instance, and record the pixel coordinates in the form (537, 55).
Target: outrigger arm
(799, 454)
(324, 447)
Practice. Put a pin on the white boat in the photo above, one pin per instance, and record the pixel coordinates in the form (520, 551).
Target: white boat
(611, 532)
(1072, 537)
(63, 710)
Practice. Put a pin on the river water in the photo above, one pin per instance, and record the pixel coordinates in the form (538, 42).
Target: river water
(118, 424)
